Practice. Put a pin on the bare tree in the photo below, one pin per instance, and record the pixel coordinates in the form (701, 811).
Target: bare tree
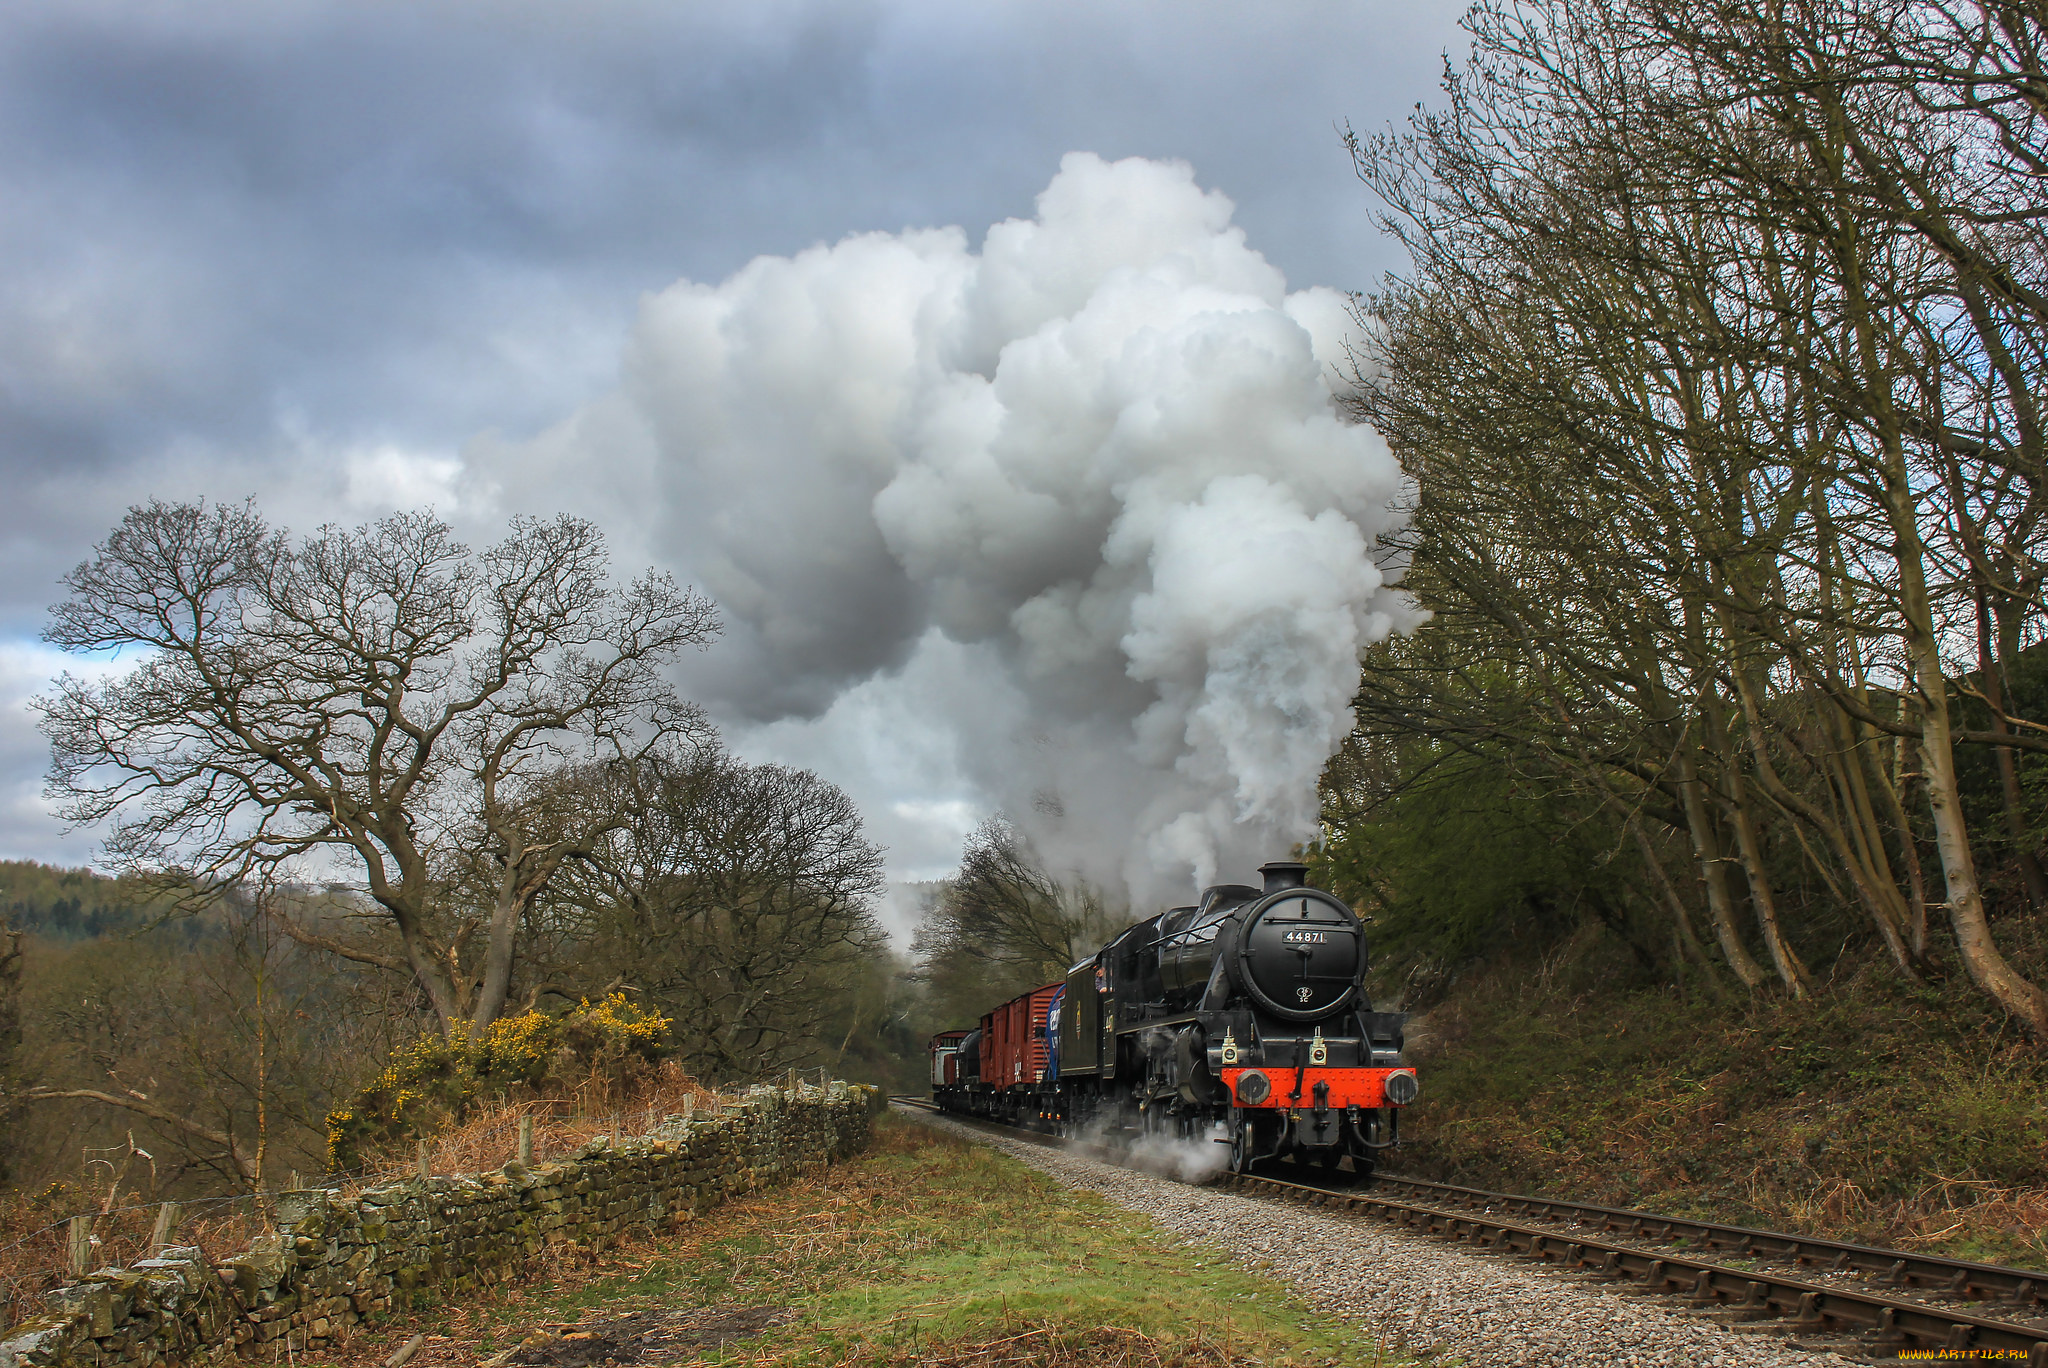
(10, 1037)
(737, 898)
(1718, 372)
(1004, 922)
(217, 1041)
(368, 692)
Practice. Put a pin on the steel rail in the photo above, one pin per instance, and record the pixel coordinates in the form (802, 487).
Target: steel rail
(1811, 1305)
(1753, 1293)
(1949, 1277)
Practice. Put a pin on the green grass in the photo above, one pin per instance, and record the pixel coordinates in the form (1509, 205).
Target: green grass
(927, 1247)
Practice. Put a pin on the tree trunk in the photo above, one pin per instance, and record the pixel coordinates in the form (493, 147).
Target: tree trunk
(1988, 968)
(1684, 938)
(1990, 667)
(1880, 899)
(443, 994)
(499, 953)
(1890, 787)
(1791, 972)
(1706, 845)
(1906, 772)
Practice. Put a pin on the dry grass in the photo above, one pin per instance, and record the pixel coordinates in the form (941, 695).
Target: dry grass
(561, 1121)
(1047, 1344)
(1931, 1218)
(1874, 1112)
(36, 1258)
(37, 1255)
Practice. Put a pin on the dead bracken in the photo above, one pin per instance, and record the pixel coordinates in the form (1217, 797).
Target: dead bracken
(640, 1337)
(1052, 1345)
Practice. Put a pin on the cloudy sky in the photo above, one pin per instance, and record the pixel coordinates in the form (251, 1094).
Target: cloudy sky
(344, 257)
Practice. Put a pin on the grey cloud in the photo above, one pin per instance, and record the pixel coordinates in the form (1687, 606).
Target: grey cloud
(244, 244)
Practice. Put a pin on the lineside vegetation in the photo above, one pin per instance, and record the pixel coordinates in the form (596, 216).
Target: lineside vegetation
(1718, 368)
(1705, 820)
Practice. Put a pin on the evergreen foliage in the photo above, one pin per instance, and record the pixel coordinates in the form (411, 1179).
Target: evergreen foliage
(1465, 857)
(74, 904)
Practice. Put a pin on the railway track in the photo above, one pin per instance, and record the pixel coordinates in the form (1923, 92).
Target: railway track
(1892, 1300)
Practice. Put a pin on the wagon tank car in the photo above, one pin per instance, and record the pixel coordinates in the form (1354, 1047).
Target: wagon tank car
(1242, 1018)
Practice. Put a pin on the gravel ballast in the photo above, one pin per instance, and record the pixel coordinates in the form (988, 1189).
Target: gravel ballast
(1416, 1294)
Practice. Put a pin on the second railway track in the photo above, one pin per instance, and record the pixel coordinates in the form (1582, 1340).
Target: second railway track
(1892, 1300)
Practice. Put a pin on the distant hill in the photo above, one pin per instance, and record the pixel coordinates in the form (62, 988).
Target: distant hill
(69, 904)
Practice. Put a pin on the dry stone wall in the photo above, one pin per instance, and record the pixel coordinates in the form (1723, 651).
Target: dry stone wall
(336, 1260)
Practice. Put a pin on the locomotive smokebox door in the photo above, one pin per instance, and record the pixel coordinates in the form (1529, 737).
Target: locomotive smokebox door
(1299, 954)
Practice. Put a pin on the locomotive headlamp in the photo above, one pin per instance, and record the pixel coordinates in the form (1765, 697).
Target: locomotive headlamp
(1253, 1087)
(1401, 1088)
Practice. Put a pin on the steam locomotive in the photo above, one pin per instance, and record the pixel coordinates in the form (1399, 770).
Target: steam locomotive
(1242, 1019)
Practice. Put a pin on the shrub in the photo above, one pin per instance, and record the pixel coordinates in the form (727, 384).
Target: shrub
(433, 1082)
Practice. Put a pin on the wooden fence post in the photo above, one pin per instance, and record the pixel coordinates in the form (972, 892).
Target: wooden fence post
(526, 1141)
(426, 1163)
(81, 1246)
(166, 1226)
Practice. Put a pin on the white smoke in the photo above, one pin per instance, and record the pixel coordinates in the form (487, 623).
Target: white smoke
(1102, 452)
(1192, 1161)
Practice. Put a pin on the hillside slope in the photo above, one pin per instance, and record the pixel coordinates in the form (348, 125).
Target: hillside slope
(1914, 1118)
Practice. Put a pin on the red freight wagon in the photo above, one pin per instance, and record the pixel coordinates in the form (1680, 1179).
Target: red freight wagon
(1014, 1055)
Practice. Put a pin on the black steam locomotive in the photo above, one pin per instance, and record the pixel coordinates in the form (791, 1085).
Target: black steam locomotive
(1242, 1019)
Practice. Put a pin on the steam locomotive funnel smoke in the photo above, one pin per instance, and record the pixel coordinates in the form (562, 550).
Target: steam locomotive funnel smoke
(1099, 456)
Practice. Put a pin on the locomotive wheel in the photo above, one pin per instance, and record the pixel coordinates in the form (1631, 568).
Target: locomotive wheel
(1240, 1143)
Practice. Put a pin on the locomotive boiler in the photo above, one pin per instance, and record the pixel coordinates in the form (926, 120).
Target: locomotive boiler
(1242, 1020)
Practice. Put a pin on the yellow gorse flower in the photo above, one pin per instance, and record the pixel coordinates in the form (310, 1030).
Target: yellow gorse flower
(438, 1075)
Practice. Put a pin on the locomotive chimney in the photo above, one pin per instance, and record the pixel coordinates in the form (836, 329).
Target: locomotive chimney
(1283, 874)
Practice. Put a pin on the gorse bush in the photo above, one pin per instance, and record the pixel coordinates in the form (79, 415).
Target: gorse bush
(614, 1031)
(433, 1082)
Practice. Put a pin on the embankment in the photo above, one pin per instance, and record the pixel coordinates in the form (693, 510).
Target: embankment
(1872, 1110)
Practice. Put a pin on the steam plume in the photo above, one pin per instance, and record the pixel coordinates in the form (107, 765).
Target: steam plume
(1101, 451)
